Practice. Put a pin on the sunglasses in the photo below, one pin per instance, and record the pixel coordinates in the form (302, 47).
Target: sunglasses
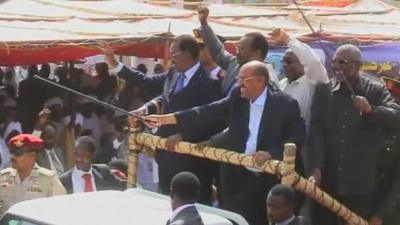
(21, 151)
(343, 61)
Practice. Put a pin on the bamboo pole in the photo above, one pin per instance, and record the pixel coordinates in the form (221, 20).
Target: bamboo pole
(134, 149)
(285, 169)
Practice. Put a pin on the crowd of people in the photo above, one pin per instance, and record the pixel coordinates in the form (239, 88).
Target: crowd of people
(346, 127)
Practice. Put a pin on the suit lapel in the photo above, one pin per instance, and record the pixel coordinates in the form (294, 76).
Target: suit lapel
(44, 159)
(68, 182)
(169, 84)
(98, 178)
(228, 81)
(244, 123)
(267, 116)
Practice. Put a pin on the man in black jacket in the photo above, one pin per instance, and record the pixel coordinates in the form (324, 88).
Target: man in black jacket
(261, 119)
(347, 116)
(88, 177)
(185, 189)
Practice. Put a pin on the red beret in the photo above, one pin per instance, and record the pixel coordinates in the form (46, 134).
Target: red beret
(27, 141)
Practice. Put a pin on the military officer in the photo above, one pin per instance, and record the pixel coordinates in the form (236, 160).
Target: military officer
(387, 190)
(25, 180)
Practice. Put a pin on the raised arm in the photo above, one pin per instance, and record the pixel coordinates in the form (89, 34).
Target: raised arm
(132, 76)
(313, 67)
(222, 57)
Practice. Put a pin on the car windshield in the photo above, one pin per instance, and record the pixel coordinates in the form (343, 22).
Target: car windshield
(9, 219)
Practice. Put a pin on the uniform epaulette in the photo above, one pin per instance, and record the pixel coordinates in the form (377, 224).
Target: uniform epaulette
(46, 172)
(5, 171)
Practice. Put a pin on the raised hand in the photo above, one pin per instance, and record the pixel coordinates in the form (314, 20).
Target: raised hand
(108, 54)
(203, 13)
(280, 36)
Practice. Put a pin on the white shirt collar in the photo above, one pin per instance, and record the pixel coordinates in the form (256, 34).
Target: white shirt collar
(178, 210)
(286, 222)
(190, 72)
(80, 172)
(260, 101)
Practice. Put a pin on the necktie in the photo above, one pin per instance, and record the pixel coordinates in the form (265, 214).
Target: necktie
(88, 182)
(179, 83)
(58, 166)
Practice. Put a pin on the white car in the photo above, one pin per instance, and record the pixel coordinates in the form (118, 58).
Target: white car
(130, 207)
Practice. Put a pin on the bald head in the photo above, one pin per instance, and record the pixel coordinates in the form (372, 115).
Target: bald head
(353, 52)
(256, 68)
(253, 78)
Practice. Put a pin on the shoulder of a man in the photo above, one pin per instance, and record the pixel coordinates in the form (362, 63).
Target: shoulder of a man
(45, 172)
(6, 171)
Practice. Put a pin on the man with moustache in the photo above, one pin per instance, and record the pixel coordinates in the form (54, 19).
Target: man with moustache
(261, 119)
(25, 180)
(347, 116)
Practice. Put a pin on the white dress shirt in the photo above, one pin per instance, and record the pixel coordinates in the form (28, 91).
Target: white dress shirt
(256, 111)
(189, 73)
(303, 88)
(78, 183)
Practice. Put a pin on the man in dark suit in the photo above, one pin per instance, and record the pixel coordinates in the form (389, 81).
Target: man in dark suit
(280, 206)
(348, 115)
(52, 156)
(185, 189)
(88, 177)
(261, 119)
(184, 86)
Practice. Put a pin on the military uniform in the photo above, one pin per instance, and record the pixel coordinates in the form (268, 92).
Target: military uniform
(41, 183)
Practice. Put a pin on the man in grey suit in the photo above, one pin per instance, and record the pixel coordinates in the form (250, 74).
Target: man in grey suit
(185, 189)
(252, 46)
(52, 157)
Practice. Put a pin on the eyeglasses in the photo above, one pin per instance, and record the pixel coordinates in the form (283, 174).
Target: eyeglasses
(343, 61)
(21, 151)
(245, 79)
(240, 49)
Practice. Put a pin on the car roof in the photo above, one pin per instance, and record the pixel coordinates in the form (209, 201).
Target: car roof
(133, 206)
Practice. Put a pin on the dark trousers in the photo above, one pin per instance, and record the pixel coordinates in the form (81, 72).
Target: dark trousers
(359, 204)
(173, 163)
(250, 198)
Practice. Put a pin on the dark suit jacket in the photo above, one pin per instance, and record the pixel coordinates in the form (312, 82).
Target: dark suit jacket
(43, 160)
(280, 123)
(188, 216)
(103, 179)
(201, 89)
(345, 144)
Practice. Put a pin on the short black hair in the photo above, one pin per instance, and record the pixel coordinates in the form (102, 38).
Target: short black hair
(187, 43)
(86, 141)
(185, 186)
(286, 192)
(259, 42)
